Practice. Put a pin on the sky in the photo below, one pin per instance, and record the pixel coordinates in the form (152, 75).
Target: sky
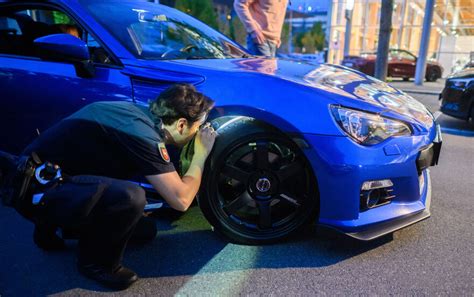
(314, 5)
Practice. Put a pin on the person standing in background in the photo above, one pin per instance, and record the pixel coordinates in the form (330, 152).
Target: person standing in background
(263, 20)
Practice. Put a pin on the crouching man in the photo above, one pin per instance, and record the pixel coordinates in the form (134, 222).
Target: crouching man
(99, 148)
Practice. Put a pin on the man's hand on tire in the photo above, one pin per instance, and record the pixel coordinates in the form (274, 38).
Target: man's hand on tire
(205, 139)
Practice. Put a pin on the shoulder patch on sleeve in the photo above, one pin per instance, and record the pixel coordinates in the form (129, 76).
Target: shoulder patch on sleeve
(163, 152)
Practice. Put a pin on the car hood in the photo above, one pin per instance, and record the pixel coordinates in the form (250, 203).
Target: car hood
(337, 83)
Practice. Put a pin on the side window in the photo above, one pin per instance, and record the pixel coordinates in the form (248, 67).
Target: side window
(20, 27)
(407, 56)
(10, 35)
(98, 53)
(392, 55)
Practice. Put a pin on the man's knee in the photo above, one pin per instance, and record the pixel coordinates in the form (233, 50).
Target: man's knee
(136, 196)
(130, 194)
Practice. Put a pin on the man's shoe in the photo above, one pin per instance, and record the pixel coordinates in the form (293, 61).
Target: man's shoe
(118, 279)
(47, 239)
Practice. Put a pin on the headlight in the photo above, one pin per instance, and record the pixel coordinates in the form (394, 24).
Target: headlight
(368, 128)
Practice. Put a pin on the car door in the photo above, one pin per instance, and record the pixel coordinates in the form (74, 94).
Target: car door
(395, 64)
(409, 63)
(36, 93)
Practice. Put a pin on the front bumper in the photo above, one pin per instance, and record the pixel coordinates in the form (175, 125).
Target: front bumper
(455, 102)
(398, 223)
(341, 167)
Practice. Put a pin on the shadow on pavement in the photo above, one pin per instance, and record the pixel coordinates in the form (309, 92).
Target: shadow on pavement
(186, 246)
(193, 240)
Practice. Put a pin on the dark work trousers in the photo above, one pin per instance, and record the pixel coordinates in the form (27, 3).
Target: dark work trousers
(105, 211)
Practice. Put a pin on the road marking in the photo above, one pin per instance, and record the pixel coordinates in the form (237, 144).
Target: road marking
(227, 272)
(432, 93)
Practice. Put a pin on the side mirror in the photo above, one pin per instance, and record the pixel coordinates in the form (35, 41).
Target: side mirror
(65, 47)
(62, 46)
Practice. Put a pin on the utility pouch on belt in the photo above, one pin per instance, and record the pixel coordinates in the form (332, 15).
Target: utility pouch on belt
(22, 176)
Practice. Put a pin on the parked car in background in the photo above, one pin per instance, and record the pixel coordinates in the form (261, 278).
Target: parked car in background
(457, 97)
(401, 63)
(299, 142)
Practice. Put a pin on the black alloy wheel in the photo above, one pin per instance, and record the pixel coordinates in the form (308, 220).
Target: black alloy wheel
(260, 189)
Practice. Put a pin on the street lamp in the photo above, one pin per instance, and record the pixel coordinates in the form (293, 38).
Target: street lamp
(347, 36)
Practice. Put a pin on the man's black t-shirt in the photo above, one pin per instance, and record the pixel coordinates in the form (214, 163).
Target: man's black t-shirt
(113, 139)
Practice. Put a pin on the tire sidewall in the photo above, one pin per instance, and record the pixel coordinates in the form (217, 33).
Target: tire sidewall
(227, 142)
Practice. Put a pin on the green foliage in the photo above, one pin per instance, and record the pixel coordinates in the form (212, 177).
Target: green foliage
(312, 40)
(203, 10)
(285, 36)
(237, 31)
(231, 26)
(61, 18)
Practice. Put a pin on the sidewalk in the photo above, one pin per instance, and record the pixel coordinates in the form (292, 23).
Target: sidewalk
(428, 88)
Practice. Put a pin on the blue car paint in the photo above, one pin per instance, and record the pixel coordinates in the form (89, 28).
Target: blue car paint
(36, 94)
(345, 166)
(68, 44)
(294, 96)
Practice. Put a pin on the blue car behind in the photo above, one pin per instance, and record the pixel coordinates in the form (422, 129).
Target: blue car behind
(298, 141)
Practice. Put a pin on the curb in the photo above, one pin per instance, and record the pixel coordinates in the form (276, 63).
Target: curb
(422, 92)
(459, 132)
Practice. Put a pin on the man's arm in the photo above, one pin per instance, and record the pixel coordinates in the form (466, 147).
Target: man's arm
(251, 26)
(179, 192)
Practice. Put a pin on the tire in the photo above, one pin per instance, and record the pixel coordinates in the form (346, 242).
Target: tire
(258, 187)
(432, 76)
(406, 79)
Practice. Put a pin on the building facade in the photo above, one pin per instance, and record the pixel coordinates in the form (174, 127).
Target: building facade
(452, 30)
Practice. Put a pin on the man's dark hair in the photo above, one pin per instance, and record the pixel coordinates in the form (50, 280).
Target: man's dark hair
(181, 101)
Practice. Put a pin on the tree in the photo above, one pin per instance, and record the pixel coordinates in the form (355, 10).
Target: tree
(285, 36)
(203, 10)
(237, 31)
(312, 40)
(231, 26)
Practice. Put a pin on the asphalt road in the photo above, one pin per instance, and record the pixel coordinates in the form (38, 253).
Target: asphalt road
(434, 257)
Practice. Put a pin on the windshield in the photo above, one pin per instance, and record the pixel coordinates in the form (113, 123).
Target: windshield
(153, 31)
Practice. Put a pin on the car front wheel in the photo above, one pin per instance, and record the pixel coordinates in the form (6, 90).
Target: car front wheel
(258, 186)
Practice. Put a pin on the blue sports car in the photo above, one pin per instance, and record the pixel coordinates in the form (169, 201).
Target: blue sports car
(298, 142)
